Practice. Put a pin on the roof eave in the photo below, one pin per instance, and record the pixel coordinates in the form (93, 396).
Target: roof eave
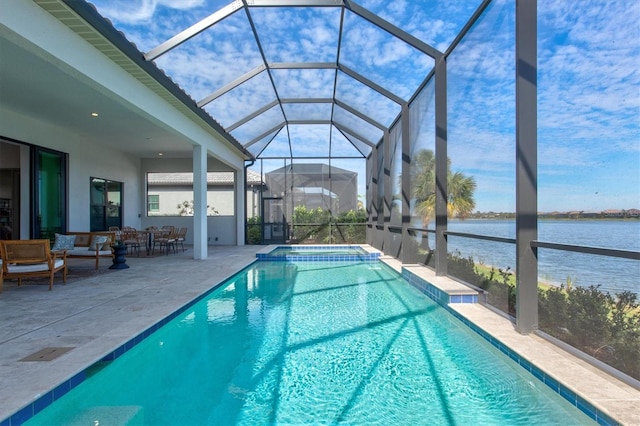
(90, 15)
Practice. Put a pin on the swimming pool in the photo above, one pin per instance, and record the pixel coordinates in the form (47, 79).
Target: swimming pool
(303, 342)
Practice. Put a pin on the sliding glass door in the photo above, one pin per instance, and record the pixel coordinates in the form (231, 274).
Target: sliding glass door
(49, 193)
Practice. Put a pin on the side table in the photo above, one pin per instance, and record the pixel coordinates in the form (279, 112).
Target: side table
(119, 259)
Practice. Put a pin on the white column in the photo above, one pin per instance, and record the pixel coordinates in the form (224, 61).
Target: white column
(240, 194)
(200, 232)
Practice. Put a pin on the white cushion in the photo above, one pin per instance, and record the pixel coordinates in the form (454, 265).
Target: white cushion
(38, 267)
(87, 253)
(77, 252)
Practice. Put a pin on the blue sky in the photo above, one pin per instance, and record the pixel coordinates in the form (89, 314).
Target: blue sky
(588, 84)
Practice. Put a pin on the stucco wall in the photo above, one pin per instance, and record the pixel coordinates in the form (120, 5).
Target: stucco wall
(86, 160)
(221, 230)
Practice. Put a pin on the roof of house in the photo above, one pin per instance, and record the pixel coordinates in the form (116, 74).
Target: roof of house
(213, 178)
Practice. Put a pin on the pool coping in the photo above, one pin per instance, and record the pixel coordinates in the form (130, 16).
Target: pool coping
(533, 353)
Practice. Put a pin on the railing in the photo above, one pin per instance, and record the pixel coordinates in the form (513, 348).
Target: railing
(622, 254)
(588, 319)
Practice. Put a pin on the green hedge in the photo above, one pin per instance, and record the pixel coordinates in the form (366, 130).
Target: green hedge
(601, 325)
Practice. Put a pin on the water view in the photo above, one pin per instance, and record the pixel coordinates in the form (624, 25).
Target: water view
(611, 274)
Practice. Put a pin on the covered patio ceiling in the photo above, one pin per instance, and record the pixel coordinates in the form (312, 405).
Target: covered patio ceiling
(303, 79)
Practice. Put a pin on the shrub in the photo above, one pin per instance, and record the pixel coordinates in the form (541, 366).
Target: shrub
(552, 310)
(594, 322)
(588, 318)
(254, 234)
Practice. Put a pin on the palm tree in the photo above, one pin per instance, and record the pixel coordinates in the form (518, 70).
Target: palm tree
(460, 188)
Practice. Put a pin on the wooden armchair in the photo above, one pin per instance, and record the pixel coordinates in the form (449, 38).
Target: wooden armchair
(30, 258)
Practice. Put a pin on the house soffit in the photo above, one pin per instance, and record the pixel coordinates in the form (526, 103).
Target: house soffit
(167, 90)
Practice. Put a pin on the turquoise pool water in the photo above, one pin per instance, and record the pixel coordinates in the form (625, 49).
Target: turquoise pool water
(312, 343)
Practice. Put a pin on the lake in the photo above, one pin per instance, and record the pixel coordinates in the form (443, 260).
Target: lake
(555, 266)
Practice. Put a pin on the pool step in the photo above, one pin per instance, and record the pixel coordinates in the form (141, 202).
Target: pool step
(443, 290)
(110, 415)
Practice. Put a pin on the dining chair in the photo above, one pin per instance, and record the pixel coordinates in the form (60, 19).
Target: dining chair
(181, 236)
(165, 239)
(132, 239)
(117, 230)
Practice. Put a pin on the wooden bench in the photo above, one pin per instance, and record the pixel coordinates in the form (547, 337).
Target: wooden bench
(30, 258)
(81, 248)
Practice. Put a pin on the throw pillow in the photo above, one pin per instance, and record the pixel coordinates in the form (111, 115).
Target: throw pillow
(98, 242)
(64, 242)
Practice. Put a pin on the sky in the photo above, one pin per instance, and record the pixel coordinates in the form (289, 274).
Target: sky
(588, 86)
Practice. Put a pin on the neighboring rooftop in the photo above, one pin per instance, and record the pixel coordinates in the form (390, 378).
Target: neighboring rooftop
(213, 178)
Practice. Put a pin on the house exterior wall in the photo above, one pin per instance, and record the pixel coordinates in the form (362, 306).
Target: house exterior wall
(86, 160)
(41, 33)
(44, 35)
(220, 199)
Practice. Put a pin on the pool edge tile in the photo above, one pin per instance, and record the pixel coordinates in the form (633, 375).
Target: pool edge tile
(583, 405)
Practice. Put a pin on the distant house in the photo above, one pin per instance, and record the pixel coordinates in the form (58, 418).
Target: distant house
(316, 185)
(171, 194)
(633, 213)
(613, 213)
(591, 215)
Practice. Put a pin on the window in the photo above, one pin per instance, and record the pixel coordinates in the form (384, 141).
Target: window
(153, 203)
(106, 204)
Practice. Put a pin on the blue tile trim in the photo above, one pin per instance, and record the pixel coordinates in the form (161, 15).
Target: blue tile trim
(21, 416)
(319, 257)
(24, 414)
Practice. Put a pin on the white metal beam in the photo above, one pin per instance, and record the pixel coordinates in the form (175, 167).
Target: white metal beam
(251, 116)
(259, 137)
(354, 134)
(193, 30)
(232, 85)
(294, 3)
(393, 30)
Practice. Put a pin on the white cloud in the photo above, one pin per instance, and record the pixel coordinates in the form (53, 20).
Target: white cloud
(588, 78)
(140, 11)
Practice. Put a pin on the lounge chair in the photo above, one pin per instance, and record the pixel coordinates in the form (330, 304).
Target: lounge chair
(31, 258)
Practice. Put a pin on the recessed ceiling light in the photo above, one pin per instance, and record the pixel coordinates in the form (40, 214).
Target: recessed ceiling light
(94, 114)
(160, 154)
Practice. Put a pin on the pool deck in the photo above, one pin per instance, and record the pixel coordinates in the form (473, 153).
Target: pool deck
(97, 311)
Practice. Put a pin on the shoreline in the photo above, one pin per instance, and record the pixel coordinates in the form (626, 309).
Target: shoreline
(546, 283)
